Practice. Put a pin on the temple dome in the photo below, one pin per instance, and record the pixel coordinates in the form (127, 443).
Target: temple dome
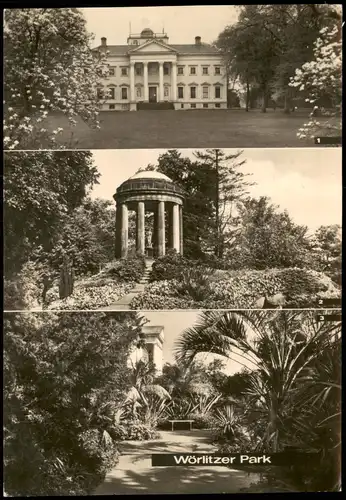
(147, 32)
(150, 174)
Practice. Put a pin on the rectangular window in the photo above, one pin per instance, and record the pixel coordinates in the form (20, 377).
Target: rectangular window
(205, 70)
(123, 71)
(193, 70)
(193, 105)
(112, 106)
(165, 70)
(138, 70)
(180, 92)
(111, 93)
(217, 70)
(180, 70)
(217, 105)
(205, 92)
(111, 71)
(217, 92)
(182, 106)
(124, 93)
(193, 92)
(205, 105)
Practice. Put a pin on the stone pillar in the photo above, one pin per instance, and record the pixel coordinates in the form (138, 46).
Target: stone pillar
(141, 227)
(145, 75)
(176, 228)
(161, 229)
(158, 357)
(181, 229)
(155, 232)
(118, 231)
(161, 96)
(174, 81)
(124, 229)
(132, 82)
(170, 226)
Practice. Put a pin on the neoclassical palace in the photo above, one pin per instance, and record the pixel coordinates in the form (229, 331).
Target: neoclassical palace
(149, 72)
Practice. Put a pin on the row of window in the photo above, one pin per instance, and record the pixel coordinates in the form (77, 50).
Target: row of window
(193, 92)
(205, 92)
(192, 106)
(124, 70)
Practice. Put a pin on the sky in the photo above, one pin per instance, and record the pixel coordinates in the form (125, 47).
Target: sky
(306, 182)
(180, 23)
(174, 323)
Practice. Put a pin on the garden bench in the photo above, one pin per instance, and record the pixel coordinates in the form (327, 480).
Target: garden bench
(179, 420)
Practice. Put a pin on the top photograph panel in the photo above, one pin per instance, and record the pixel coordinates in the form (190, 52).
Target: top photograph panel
(247, 76)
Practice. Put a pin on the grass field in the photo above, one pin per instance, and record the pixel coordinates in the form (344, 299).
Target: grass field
(186, 129)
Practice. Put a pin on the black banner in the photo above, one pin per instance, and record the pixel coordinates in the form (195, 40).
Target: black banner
(236, 459)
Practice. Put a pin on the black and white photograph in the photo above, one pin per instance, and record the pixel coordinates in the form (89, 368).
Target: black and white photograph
(182, 77)
(173, 229)
(172, 195)
(95, 394)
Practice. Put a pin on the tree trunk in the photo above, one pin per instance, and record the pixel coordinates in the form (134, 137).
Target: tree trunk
(264, 101)
(66, 279)
(287, 103)
(247, 95)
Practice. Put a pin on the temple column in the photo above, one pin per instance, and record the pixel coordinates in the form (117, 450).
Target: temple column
(132, 82)
(124, 229)
(181, 229)
(174, 81)
(118, 231)
(161, 229)
(170, 226)
(175, 228)
(141, 227)
(145, 76)
(155, 231)
(161, 96)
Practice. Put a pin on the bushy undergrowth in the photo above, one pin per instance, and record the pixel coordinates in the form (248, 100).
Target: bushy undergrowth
(24, 291)
(89, 296)
(199, 288)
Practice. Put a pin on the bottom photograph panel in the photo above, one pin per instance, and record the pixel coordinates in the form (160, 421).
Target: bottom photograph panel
(91, 397)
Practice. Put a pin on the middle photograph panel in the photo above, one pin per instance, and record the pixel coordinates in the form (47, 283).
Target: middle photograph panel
(173, 229)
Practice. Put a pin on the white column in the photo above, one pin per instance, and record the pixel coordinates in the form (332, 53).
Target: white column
(175, 228)
(174, 81)
(145, 74)
(141, 227)
(161, 98)
(158, 357)
(124, 230)
(132, 82)
(161, 229)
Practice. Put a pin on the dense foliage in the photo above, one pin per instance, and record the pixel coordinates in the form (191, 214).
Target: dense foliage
(202, 288)
(49, 67)
(65, 377)
(292, 398)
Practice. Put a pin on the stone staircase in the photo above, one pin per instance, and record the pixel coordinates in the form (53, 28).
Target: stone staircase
(154, 105)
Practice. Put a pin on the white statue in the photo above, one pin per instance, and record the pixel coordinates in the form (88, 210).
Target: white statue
(149, 238)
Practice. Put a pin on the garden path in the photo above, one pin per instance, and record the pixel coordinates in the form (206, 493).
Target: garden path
(123, 304)
(134, 474)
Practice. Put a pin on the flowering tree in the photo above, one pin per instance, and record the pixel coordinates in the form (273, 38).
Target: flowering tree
(49, 66)
(321, 78)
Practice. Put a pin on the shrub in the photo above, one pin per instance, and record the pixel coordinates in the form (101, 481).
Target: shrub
(141, 432)
(170, 266)
(206, 421)
(238, 289)
(129, 269)
(24, 291)
(90, 297)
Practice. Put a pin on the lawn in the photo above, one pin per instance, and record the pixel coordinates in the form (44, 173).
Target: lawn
(186, 129)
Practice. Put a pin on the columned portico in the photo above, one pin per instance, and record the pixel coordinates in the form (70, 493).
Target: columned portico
(150, 192)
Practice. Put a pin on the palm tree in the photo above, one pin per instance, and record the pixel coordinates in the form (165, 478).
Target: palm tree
(278, 349)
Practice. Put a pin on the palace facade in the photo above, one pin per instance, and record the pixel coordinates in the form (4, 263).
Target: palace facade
(150, 73)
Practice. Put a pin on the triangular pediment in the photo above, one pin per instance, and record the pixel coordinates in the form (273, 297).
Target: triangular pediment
(153, 46)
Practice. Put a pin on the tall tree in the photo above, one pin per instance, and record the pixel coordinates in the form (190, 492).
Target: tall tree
(49, 66)
(41, 189)
(229, 187)
(268, 238)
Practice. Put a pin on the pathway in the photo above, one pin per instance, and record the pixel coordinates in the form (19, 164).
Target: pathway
(123, 304)
(134, 474)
